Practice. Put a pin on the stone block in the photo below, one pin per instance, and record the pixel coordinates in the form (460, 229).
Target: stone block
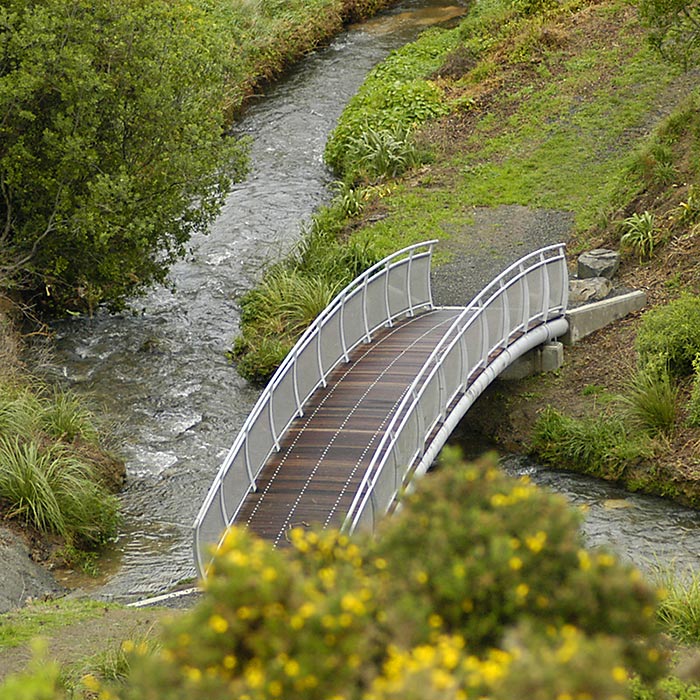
(601, 262)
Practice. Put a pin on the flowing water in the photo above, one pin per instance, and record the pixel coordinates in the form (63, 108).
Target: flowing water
(161, 374)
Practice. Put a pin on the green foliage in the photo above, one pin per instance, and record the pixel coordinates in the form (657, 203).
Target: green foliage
(694, 400)
(639, 234)
(673, 29)
(394, 99)
(649, 402)
(670, 688)
(40, 681)
(669, 336)
(21, 625)
(601, 446)
(377, 155)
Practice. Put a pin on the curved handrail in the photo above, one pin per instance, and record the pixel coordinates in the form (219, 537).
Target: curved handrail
(396, 286)
(433, 368)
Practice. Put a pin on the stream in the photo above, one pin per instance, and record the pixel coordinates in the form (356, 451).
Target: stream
(162, 377)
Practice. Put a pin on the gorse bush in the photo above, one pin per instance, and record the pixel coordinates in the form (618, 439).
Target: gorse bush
(479, 587)
(669, 336)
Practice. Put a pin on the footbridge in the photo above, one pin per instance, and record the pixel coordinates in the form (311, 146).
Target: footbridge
(368, 396)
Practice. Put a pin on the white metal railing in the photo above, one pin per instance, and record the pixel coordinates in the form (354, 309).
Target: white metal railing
(529, 293)
(397, 286)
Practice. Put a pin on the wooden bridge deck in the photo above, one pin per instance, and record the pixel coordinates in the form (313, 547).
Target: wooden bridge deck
(314, 476)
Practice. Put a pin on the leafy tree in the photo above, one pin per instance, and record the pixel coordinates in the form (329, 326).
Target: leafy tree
(112, 144)
(674, 29)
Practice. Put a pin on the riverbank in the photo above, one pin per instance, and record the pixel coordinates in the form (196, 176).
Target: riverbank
(573, 119)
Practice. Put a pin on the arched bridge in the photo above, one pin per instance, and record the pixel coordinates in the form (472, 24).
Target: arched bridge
(369, 394)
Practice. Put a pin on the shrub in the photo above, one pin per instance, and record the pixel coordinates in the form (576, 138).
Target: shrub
(113, 152)
(478, 587)
(265, 629)
(669, 336)
(515, 555)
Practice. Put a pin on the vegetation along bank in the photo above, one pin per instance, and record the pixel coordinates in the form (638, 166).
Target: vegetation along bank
(544, 105)
(587, 109)
(114, 151)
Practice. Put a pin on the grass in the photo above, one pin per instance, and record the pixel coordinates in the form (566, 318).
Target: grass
(679, 610)
(41, 618)
(602, 446)
(53, 490)
(561, 140)
(649, 403)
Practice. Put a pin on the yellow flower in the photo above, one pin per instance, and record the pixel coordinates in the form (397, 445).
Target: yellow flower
(535, 543)
(619, 674)
(230, 662)
(194, 674)
(421, 577)
(522, 590)
(435, 621)
(218, 623)
(291, 668)
(515, 563)
(584, 560)
(269, 574)
(91, 683)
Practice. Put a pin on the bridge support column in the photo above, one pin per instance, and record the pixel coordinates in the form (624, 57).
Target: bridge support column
(544, 358)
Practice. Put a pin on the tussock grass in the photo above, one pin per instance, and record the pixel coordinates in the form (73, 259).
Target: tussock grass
(52, 490)
(649, 402)
(679, 609)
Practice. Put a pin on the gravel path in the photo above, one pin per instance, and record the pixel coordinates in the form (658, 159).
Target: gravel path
(497, 238)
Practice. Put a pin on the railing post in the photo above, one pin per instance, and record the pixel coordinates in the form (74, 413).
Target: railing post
(463, 360)
(387, 307)
(409, 290)
(545, 289)
(319, 359)
(295, 383)
(253, 485)
(525, 287)
(368, 338)
(441, 390)
(271, 419)
(343, 341)
(484, 324)
(505, 322)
